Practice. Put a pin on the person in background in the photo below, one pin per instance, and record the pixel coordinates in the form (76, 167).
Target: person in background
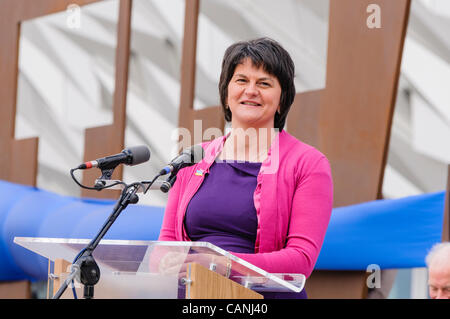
(259, 192)
(438, 264)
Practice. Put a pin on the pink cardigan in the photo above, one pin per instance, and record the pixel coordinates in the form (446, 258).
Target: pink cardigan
(293, 200)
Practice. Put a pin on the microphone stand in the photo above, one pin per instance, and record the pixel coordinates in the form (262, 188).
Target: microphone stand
(85, 266)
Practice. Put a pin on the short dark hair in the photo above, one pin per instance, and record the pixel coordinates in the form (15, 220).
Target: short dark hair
(273, 58)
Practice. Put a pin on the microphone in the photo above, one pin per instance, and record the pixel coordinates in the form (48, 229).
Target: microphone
(129, 156)
(167, 185)
(188, 157)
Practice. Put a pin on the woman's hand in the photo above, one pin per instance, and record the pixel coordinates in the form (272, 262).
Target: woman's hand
(172, 263)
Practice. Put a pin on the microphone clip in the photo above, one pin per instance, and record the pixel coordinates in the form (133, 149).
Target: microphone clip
(100, 183)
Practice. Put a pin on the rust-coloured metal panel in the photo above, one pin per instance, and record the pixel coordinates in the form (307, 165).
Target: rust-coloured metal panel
(15, 290)
(18, 158)
(23, 168)
(303, 118)
(357, 107)
(211, 116)
(9, 35)
(350, 119)
(355, 114)
(188, 61)
(329, 284)
(110, 139)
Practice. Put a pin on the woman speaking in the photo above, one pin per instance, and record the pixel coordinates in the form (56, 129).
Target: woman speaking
(258, 193)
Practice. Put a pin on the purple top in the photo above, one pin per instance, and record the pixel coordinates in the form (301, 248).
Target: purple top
(222, 211)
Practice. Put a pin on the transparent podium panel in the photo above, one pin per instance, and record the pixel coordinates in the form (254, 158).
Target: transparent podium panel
(156, 269)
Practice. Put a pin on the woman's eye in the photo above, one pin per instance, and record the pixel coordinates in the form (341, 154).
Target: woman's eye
(264, 83)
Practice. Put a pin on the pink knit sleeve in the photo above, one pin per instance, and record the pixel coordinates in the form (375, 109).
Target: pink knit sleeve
(311, 211)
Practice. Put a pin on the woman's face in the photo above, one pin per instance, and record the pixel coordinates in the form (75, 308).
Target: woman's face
(253, 96)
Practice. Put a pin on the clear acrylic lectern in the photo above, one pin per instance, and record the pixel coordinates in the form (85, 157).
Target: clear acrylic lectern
(160, 269)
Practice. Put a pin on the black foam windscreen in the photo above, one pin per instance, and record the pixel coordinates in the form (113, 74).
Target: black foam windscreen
(140, 154)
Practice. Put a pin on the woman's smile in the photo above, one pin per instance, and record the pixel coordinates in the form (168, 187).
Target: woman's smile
(250, 103)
